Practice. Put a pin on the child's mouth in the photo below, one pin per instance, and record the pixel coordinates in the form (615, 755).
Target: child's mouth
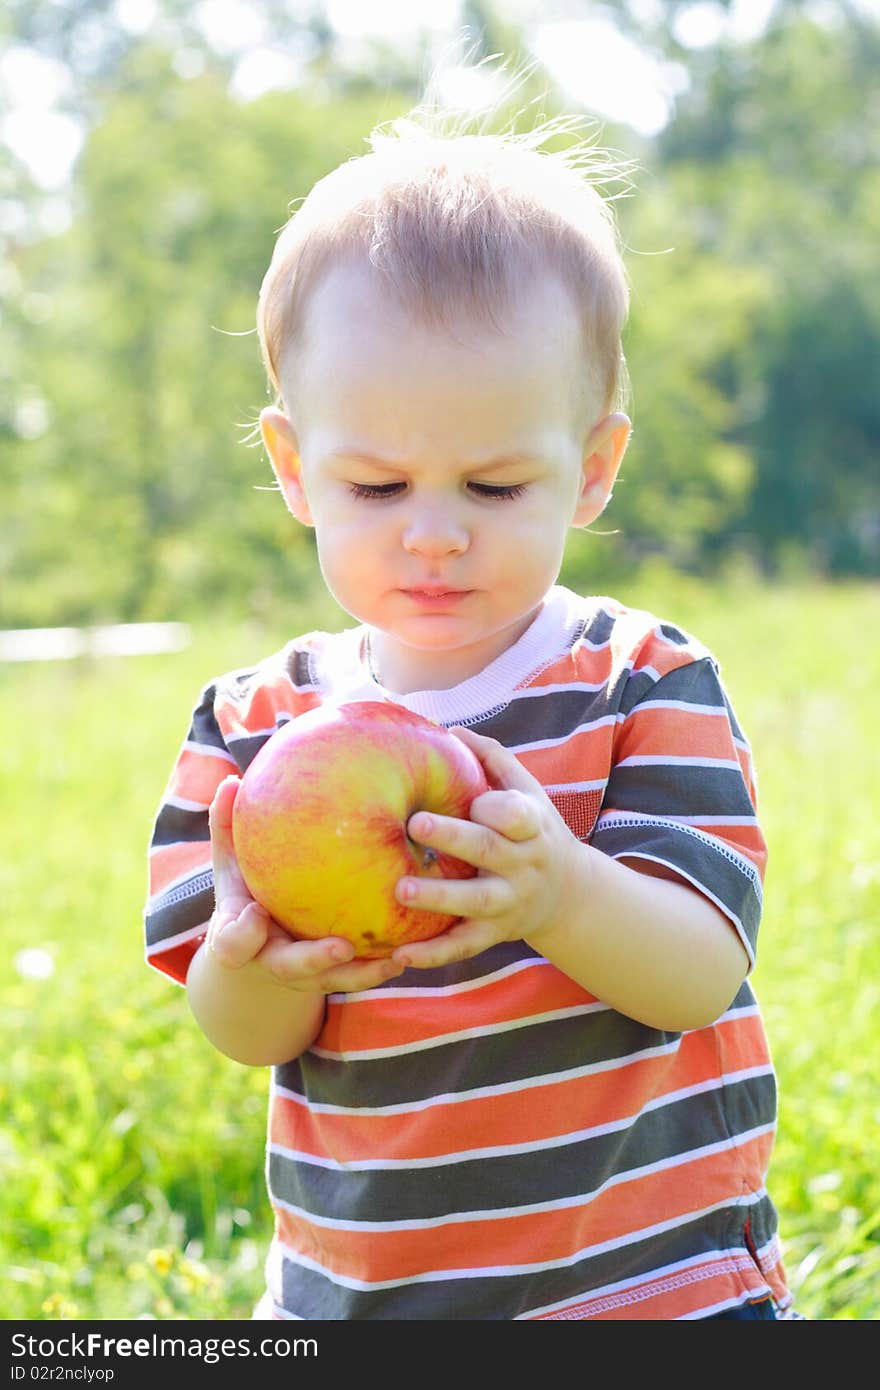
(436, 598)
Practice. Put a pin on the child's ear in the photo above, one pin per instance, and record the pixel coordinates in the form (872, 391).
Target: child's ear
(603, 452)
(282, 447)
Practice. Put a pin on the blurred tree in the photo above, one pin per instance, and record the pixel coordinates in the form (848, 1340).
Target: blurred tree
(773, 157)
(142, 498)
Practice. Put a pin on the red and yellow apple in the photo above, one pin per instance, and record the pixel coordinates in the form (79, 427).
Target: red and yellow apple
(320, 821)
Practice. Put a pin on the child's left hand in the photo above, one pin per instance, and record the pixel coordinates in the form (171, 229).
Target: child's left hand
(522, 848)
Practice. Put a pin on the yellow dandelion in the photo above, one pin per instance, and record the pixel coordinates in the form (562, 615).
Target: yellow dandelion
(161, 1260)
(60, 1307)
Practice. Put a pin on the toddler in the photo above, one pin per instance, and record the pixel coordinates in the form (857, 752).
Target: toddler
(563, 1106)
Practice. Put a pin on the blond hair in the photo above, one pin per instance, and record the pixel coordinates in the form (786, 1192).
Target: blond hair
(456, 221)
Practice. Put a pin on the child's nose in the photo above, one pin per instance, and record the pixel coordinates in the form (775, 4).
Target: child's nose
(435, 532)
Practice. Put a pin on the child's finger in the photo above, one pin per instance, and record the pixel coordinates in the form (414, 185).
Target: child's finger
(477, 845)
(511, 814)
(326, 965)
(228, 882)
(487, 895)
(234, 941)
(461, 942)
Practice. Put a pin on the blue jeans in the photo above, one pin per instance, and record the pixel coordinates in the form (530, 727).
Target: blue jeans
(766, 1309)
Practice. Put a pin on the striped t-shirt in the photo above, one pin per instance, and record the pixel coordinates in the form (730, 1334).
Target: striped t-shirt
(487, 1140)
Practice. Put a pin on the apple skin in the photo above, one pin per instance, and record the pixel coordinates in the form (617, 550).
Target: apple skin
(320, 815)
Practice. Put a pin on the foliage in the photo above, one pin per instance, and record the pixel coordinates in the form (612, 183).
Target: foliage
(772, 157)
(149, 364)
(133, 1152)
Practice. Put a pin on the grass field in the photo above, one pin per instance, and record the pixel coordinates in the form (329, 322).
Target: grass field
(132, 1153)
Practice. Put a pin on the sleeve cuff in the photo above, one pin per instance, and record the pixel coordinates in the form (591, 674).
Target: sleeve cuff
(726, 878)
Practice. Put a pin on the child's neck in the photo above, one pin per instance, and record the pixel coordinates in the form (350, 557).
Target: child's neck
(402, 669)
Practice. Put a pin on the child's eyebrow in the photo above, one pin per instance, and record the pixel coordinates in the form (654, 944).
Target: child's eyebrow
(483, 466)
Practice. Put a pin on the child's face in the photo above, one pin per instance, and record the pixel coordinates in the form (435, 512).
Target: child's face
(441, 472)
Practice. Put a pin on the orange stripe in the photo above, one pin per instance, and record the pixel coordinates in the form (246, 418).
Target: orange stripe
(196, 776)
(535, 1114)
(378, 1020)
(653, 732)
(589, 752)
(273, 696)
(593, 668)
(534, 1238)
(175, 961)
(173, 861)
(659, 656)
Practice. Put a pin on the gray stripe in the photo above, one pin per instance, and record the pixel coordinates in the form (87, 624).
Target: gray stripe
(246, 748)
(499, 1182)
(562, 713)
(204, 727)
(174, 826)
(673, 789)
(536, 1049)
(599, 628)
(502, 1297)
(695, 683)
(188, 905)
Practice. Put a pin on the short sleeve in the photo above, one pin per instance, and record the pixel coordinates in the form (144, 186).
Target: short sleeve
(682, 792)
(181, 881)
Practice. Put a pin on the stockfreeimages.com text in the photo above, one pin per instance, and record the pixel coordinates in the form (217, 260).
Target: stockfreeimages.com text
(209, 1350)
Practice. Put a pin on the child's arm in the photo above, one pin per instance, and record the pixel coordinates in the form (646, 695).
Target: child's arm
(256, 993)
(653, 948)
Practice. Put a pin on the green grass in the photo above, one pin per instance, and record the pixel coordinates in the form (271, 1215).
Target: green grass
(132, 1153)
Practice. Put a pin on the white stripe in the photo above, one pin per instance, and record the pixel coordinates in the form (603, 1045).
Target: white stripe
(670, 760)
(488, 1271)
(707, 820)
(443, 991)
(588, 727)
(180, 804)
(247, 734)
(207, 750)
(684, 705)
(661, 1272)
(169, 942)
(503, 1088)
(556, 1141)
(458, 1035)
(560, 688)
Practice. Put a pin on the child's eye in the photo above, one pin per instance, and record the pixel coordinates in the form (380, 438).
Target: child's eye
(493, 492)
(497, 492)
(375, 489)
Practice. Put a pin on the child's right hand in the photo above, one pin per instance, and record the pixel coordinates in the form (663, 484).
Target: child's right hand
(242, 933)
